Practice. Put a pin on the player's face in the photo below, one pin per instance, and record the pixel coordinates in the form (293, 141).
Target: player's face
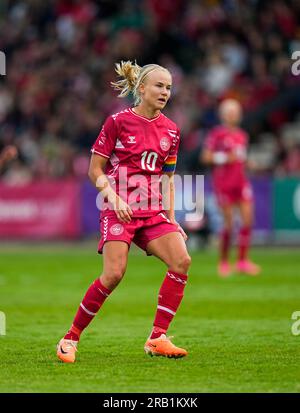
(231, 113)
(156, 89)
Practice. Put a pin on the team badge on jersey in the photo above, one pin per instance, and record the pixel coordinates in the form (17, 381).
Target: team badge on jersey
(165, 144)
(116, 229)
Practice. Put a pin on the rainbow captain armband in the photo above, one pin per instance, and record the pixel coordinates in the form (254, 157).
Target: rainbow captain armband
(170, 164)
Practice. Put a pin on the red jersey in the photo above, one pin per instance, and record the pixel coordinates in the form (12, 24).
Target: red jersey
(228, 140)
(139, 150)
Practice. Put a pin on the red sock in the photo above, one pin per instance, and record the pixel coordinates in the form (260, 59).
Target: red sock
(91, 303)
(225, 238)
(244, 242)
(169, 299)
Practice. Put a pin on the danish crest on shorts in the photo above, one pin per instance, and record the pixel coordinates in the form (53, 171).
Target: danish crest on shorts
(116, 229)
(165, 144)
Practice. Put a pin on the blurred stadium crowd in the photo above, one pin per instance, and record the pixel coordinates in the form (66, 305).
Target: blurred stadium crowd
(60, 61)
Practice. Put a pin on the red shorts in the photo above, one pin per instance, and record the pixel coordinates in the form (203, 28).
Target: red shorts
(235, 195)
(138, 230)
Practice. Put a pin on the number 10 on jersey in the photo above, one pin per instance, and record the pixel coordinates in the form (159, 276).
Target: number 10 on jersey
(148, 160)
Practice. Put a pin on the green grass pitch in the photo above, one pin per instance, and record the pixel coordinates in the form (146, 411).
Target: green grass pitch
(237, 330)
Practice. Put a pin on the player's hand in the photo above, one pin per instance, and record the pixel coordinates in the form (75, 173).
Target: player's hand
(122, 210)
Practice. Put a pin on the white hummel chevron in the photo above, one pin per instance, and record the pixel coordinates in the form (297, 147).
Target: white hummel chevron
(179, 280)
(172, 133)
(105, 229)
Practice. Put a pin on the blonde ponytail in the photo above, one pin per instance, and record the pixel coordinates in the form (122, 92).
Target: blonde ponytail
(133, 75)
(129, 72)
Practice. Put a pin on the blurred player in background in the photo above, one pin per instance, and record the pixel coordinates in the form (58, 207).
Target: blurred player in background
(145, 142)
(226, 151)
(7, 154)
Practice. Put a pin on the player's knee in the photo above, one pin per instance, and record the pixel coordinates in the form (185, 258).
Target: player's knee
(117, 275)
(187, 262)
(114, 275)
(183, 263)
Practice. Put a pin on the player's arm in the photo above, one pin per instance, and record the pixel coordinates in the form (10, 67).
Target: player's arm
(168, 199)
(101, 182)
(168, 185)
(168, 195)
(209, 157)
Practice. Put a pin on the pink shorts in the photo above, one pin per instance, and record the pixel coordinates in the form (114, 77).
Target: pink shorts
(139, 230)
(235, 195)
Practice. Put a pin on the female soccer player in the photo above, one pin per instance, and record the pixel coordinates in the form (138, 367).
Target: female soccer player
(134, 149)
(225, 149)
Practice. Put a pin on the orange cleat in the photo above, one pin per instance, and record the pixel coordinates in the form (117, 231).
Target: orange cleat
(248, 267)
(66, 350)
(162, 346)
(224, 269)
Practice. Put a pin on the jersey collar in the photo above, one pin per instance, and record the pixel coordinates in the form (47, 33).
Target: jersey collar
(144, 117)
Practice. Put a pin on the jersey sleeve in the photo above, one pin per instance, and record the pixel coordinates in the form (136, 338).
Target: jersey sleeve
(106, 140)
(170, 162)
